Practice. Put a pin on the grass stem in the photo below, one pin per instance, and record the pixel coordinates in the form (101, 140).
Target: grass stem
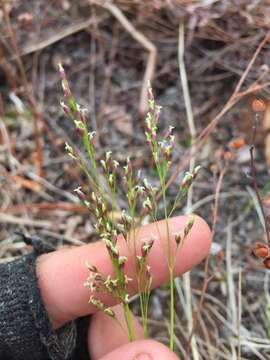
(171, 310)
(128, 318)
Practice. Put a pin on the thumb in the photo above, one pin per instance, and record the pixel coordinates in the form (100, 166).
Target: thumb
(142, 350)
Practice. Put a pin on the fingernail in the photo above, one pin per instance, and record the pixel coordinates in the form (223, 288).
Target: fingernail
(143, 356)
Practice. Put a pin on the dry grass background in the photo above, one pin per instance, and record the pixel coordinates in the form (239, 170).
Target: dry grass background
(109, 50)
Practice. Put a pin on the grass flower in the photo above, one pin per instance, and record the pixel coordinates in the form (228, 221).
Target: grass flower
(101, 201)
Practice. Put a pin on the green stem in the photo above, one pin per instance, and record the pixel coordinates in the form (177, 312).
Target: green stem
(127, 312)
(178, 198)
(143, 304)
(145, 325)
(128, 318)
(90, 151)
(171, 310)
(170, 265)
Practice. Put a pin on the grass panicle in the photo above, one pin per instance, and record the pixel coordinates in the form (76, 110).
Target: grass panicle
(142, 199)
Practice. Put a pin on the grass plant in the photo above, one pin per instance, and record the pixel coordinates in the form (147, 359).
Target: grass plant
(142, 199)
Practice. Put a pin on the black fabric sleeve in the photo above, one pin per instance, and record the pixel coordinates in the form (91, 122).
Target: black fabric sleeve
(25, 329)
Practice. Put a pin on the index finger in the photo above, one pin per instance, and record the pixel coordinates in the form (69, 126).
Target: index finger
(61, 274)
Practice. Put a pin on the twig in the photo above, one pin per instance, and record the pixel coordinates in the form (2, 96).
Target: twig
(9, 219)
(184, 81)
(235, 98)
(192, 130)
(146, 43)
(207, 278)
(46, 206)
(92, 80)
(37, 117)
(239, 317)
(254, 179)
(252, 60)
(4, 133)
(61, 34)
(230, 282)
(61, 237)
(223, 195)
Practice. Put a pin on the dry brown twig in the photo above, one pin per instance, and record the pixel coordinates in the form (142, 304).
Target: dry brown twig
(141, 39)
(25, 221)
(207, 279)
(236, 96)
(233, 100)
(37, 117)
(69, 30)
(46, 206)
(261, 250)
(254, 178)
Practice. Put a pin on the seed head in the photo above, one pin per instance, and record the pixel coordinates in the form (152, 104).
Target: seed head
(94, 197)
(112, 248)
(189, 226)
(127, 280)
(151, 100)
(169, 132)
(148, 272)
(146, 246)
(126, 219)
(109, 284)
(70, 152)
(65, 108)
(128, 168)
(122, 260)
(79, 124)
(90, 267)
(111, 180)
(103, 164)
(87, 204)
(196, 171)
(61, 71)
(97, 303)
(187, 180)
(78, 191)
(126, 299)
(108, 155)
(115, 164)
(190, 177)
(147, 204)
(108, 311)
(140, 261)
(80, 127)
(91, 286)
(178, 237)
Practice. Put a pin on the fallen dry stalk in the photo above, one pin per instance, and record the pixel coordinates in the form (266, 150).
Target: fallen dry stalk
(233, 100)
(46, 206)
(144, 41)
(207, 279)
(37, 117)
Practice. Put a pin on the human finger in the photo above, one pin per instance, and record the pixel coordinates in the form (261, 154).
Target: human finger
(104, 327)
(61, 274)
(141, 350)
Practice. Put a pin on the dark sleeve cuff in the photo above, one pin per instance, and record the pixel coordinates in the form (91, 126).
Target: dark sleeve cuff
(25, 329)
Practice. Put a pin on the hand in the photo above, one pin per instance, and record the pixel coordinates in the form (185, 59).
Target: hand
(62, 273)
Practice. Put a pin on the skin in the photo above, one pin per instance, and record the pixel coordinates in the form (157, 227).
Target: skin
(62, 273)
